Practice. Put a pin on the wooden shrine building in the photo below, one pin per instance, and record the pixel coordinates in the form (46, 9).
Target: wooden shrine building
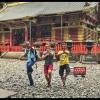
(48, 21)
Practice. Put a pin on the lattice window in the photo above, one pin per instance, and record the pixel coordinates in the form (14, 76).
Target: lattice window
(46, 31)
(18, 36)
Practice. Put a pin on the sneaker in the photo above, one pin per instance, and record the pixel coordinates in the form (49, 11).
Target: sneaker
(64, 83)
(31, 85)
(49, 85)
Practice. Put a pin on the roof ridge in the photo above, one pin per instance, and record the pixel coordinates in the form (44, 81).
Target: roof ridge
(17, 3)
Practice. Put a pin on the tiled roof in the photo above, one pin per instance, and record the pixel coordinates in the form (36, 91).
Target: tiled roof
(33, 9)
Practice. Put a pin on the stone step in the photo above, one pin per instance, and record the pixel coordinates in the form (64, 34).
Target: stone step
(13, 55)
(6, 93)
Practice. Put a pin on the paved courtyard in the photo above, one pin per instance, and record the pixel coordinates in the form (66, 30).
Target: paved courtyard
(13, 77)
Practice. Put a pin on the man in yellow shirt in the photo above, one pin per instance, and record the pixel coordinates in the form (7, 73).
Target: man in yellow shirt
(64, 63)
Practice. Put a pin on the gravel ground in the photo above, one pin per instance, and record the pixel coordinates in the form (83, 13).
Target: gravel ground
(13, 77)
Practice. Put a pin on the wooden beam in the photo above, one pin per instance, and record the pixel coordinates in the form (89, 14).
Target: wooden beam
(78, 26)
(16, 3)
(89, 29)
(17, 27)
(4, 31)
(17, 23)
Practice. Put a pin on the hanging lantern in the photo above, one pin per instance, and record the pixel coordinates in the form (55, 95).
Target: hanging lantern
(37, 44)
(69, 44)
(52, 44)
(89, 45)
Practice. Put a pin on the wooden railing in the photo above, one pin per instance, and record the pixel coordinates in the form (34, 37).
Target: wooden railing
(4, 48)
(78, 48)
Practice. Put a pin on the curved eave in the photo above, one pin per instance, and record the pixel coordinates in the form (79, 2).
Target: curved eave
(34, 9)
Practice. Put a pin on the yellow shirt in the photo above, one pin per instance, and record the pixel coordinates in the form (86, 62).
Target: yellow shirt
(64, 57)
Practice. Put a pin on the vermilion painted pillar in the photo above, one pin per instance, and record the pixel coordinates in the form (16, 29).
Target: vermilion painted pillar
(26, 35)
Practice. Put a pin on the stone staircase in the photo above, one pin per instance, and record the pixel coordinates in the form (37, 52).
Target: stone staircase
(12, 55)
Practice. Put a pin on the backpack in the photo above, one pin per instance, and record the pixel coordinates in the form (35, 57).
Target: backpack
(35, 53)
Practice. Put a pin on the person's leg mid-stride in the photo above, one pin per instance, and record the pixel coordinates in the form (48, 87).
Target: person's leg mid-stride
(48, 73)
(64, 63)
(48, 65)
(29, 72)
(62, 74)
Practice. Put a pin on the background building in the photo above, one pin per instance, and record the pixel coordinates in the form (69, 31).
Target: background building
(48, 21)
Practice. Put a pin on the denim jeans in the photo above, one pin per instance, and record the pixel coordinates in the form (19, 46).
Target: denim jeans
(29, 72)
(30, 78)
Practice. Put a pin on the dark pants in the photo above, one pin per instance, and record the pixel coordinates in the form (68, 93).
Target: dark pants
(64, 67)
(29, 72)
(30, 78)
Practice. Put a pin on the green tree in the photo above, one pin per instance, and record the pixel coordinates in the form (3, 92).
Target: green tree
(1, 4)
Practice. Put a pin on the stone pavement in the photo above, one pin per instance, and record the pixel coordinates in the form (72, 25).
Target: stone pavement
(13, 77)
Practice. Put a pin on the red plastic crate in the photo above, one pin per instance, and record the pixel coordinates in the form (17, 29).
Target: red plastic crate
(79, 70)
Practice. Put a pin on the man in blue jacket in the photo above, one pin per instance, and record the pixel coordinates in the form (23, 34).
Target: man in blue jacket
(31, 55)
